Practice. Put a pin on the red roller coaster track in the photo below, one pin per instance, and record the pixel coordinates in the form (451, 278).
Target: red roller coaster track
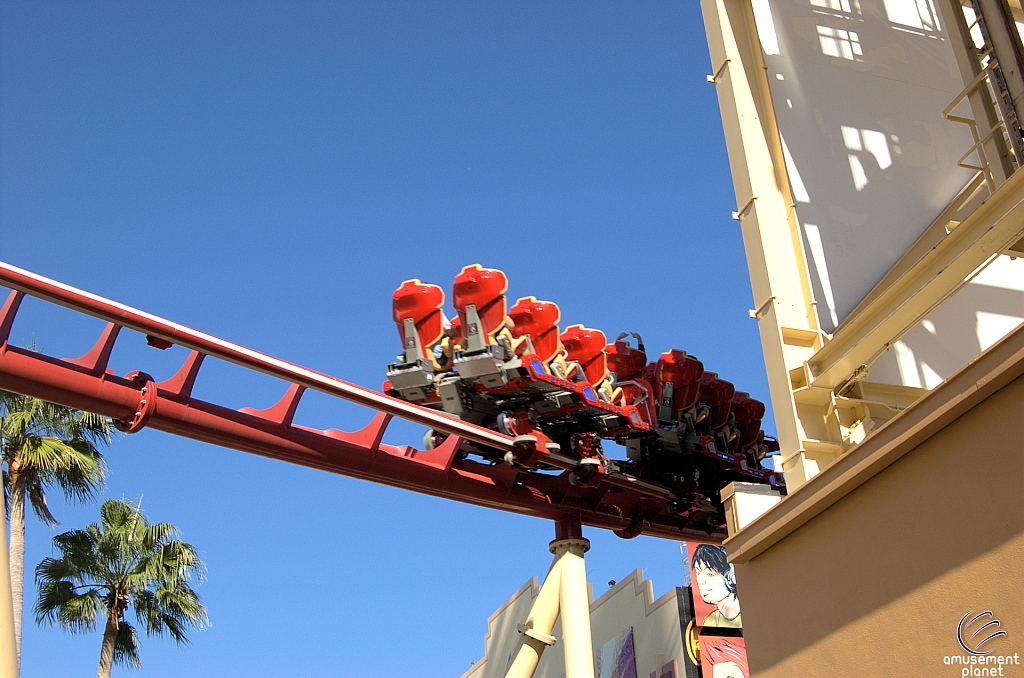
(622, 503)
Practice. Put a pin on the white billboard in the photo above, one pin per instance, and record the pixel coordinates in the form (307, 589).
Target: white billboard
(858, 88)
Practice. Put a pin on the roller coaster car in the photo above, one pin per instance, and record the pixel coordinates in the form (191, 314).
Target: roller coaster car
(512, 371)
(416, 309)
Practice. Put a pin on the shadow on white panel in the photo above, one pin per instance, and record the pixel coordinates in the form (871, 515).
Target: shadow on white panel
(981, 314)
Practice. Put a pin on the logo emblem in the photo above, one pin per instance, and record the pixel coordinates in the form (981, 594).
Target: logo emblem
(973, 640)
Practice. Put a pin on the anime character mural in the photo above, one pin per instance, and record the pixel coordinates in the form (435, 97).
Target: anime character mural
(723, 657)
(714, 581)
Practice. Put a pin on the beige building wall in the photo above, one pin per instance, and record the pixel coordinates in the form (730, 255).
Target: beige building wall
(868, 568)
(657, 630)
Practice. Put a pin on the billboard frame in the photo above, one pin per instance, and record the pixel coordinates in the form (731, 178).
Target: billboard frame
(823, 401)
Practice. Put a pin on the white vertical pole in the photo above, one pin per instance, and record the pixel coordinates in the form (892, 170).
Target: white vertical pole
(8, 650)
(575, 607)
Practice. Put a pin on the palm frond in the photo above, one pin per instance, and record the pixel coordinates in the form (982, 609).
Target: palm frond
(17, 423)
(181, 560)
(59, 603)
(156, 535)
(53, 570)
(75, 541)
(37, 499)
(172, 608)
(126, 646)
(81, 477)
(179, 602)
(91, 427)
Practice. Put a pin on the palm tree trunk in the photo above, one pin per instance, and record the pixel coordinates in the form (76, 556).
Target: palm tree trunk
(107, 649)
(17, 550)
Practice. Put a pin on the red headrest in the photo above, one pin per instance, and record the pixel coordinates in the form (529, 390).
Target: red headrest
(539, 319)
(484, 287)
(685, 374)
(587, 347)
(423, 304)
(716, 393)
(627, 362)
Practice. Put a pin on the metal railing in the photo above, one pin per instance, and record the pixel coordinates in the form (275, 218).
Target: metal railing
(1002, 126)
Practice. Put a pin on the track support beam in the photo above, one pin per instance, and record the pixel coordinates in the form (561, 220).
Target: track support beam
(564, 594)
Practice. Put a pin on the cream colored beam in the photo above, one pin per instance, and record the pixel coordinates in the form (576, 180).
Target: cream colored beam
(992, 228)
(786, 314)
(535, 633)
(574, 606)
(564, 594)
(8, 649)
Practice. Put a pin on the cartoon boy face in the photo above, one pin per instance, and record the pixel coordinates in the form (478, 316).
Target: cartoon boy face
(711, 585)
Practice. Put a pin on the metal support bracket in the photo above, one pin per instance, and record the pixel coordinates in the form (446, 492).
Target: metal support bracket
(545, 638)
(146, 407)
(714, 78)
(742, 212)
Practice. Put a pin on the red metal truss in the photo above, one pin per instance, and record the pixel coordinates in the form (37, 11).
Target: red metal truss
(620, 502)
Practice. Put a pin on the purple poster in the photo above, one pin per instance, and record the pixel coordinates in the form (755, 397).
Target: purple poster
(615, 659)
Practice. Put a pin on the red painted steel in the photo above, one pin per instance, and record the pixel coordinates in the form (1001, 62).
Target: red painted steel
(622, 503)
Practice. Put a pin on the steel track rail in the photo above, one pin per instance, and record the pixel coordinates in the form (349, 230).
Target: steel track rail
(620, 502)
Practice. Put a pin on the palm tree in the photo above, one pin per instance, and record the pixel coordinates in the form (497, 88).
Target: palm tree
(45, 445)
(121, 561)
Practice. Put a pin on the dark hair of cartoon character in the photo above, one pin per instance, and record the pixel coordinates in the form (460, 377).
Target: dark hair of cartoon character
(710, 557)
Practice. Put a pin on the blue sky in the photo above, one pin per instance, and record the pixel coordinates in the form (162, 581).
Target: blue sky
(270, 174)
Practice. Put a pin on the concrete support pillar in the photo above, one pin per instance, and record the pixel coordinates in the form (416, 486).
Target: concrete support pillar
(564, 593)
